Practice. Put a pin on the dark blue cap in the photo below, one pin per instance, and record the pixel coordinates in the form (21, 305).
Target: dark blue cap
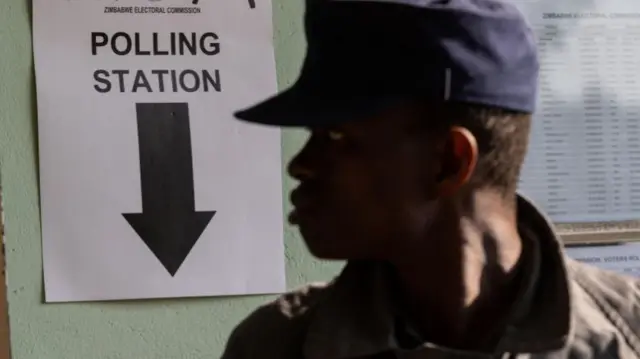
(363, 55)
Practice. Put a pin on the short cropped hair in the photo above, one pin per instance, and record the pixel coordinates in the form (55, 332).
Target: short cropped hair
(503, 138)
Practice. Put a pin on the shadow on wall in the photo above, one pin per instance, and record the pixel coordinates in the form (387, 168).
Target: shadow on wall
(5, 342)
(34, 102)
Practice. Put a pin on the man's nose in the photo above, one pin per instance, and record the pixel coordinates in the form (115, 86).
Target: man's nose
(300, 173)
(301, 166)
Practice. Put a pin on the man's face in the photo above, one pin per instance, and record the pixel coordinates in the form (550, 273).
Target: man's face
(366, 187)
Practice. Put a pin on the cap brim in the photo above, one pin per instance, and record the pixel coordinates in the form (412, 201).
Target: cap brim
(297, 108)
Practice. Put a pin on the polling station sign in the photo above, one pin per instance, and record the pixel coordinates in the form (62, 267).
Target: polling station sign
(149, 187)
(156, 80)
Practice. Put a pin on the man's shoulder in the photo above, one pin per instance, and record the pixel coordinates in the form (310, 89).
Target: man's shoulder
(612, 286)
(279, 325)
(615, 295)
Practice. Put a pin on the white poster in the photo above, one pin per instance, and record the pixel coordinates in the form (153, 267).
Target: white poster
(621, 257)
(583, 163)
(149, 187)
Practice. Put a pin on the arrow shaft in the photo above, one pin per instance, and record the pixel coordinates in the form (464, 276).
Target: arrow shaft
(166, 160)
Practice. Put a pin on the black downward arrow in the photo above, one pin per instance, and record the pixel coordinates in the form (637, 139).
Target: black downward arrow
(168, 224)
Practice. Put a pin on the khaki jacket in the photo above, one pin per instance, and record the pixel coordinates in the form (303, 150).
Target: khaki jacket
(570, 310)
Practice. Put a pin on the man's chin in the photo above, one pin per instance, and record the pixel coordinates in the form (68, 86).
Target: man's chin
(327, 255)
(319, 243)
(324, 249)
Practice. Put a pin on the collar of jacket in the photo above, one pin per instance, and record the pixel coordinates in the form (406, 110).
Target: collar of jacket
(356, 318)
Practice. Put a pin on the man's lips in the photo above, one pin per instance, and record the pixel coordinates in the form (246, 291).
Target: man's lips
(300, 198)
(302, 202)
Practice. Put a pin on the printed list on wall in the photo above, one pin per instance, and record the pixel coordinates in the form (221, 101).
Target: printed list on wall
(584, 159)
(149, 187)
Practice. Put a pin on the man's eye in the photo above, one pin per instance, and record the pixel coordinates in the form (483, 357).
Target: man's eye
(335, 135)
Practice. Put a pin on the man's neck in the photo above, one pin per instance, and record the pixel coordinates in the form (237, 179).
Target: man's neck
(459, 287)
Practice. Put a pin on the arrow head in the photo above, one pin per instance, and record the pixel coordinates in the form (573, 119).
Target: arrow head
(170, 239)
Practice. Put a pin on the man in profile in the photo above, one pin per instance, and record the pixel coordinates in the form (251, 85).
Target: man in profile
(419, 115)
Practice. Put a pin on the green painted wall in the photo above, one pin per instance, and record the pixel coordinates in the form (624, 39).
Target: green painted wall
(192, 328)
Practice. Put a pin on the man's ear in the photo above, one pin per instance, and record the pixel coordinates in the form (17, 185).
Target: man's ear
(459, 160)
